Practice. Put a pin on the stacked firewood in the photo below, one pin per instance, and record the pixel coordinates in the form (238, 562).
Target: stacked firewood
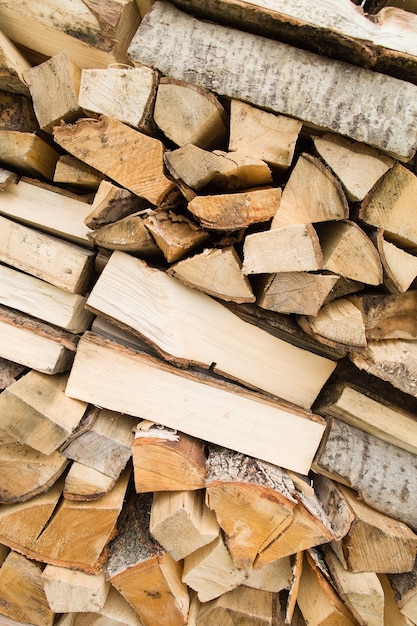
(208, 280)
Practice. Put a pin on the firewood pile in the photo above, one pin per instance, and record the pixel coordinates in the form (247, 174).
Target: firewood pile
(208, 293)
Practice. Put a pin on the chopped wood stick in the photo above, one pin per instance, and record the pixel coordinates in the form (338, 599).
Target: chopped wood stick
(85, 483)
(115, 612)
(9, 372)
(388, 316)
(128, 234)
(274, 576)
(400, 267)
(69, 590)
(392, 613)
(405, 591)
(301, 293)
(27, 153)
(12, 66)
(16, 113)
(242, 604)
(74, 173)
(111, 203)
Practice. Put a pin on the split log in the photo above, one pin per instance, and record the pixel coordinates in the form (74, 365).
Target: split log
(388, 316)
(405, 592)
(294, 248)
(188, 114)
(9, 372)
(16, 113)
(94, 36)
(86, 483)
(263, 135)
(253, 502)
(100, 143)
(312, 194)
(128, 234)
(188, 41)
(392, 613)
(170, 301)
(75, 591)
(236, 210)
(12, 66)
(274, 576)
(301, 293)
(36, 411)
(217, 272)
(181, 522)
(35, 344)
(240, 605)
(44, 301)
(224, 413)
(115, 612)
(359, 467)
(124, 93)
(74, 173)
(112, 203)
(400, 267)
(166, 460)
(357, 165)
(54, 86)
(146, 575)
(29, 154)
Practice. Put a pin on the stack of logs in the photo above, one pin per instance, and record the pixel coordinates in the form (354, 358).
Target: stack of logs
(208, 271)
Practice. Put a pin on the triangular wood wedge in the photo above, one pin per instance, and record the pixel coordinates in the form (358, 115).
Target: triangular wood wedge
(28, 153)
(74, 173)
(69, 590)
(294, 248)
(388, 316)
(185, 327)
(111, 203)
(12, 66)
(17, 113)
(405, 590)
(348, 251)
(241, 605)
(261, 134)
(400, 267)
(115, 612)
(274, 576)
(128, 234)
(302, 293)
(388, 206)
(189, 113)
(100, 144)
(85, 483)
(312, 194)
(357, 165)
(392, 613)
(217, 272)
(236, 210)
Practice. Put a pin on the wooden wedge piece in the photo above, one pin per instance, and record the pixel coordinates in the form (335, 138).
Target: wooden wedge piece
(405, 591)
(16, 113)
(35, 411)
(124, 93)
(392, 613)
(29, 154)
(150, 289)
(9, 372)
(400, 267)
(143, 572)
(242, 604)
(12, 66)
(181, 522)
(388, 316)
(54, 86)
(112, 203)
(74, 173)
(115, 612)
(99, 143)
(349, 252)
(357, 165)
(166, 460)
(236, 210)
(274, 576)
(300, 293)
(188, 113)
(312, 194)
(70, 590)
(217, 272)
(85, 483)
(128, 234)
(294, 248)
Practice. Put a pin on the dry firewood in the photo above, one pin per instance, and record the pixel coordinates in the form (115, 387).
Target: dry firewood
(22, 596)
(27, 153)
(181, 522)
(387, 206)
(9, 372)
(86, 483)
(124, 93)
(114, 149)
(392, 614)
(35, 344)
(312, 194)
(253, 502)
(128, 234)
(12, 66)
(93, 35)
(46, 208)
(400, 267)
(175, 234)
(301, 293)
(294, 585)
(360, 591)
(143, 572)
(263, 135)
(74, 173)
(24, 472)
(353, 457)
(294, 248)
(46, 302)
(318, 601)
(405, 591)
(349, 252)
(357, 165)
(187, 113)
(277, 362)
(236, 210)
(344, 287)
(112, 203)
(388, 316)
(211, 572)
(217, 272)
(240, 605)
(6, 178)
(194, 403)
(115, 612)
(16, 113)
(196, 168)
(166, 460)
(60, 263)
(106, 446)
(338, 323)
(274, 576)
(54, 86)
(35, 411)
(376, 416)
(70, 590)
(286, 78)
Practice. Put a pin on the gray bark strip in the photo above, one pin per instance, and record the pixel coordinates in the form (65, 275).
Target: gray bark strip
(333, 95)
